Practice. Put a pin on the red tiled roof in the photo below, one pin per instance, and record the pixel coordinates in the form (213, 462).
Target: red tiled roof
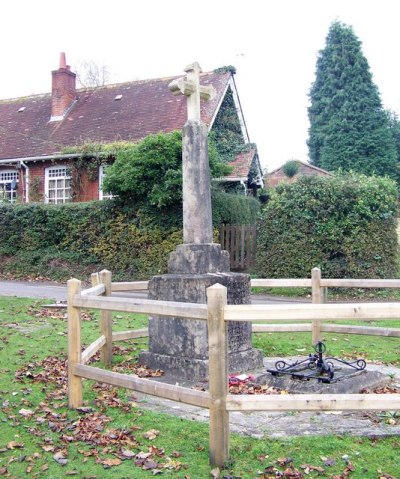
(146, 107)
(305, 165)
(241, 165)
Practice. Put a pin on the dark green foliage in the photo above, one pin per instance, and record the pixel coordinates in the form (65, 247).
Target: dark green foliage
(60, 241)
(234, 209)
(394, 126)
(76, 239)
(348, 126)
(290, 168)
(345, 225)
(226, 69)
(150, 172)
(226, 133)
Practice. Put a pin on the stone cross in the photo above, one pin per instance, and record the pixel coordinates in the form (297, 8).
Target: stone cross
(191, 88)
(196, 194)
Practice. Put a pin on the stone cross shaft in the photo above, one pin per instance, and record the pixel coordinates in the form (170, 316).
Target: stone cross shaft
(191, 88)
(196, 192)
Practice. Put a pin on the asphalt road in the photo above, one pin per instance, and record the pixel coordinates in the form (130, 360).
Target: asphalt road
(58, 292)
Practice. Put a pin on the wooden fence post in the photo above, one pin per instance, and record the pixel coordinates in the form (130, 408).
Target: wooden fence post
(74, 345)
(318, 297)
(218, 375)
(106, 320)
(94, 279)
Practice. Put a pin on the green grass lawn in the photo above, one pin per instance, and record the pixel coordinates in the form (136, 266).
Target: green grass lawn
(113, 437)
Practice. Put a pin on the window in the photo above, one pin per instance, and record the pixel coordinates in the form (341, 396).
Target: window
(8, 185)
(58, 185)
(103, 195)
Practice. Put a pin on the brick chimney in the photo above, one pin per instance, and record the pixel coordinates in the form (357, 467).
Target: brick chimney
(63, 90)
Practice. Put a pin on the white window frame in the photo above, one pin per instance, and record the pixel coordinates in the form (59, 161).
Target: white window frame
(6, 178)
(103, 195)
(59, 174)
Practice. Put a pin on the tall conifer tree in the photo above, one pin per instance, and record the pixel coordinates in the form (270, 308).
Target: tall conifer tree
(348, 126)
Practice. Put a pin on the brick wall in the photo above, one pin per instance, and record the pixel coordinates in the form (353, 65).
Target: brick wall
(88, 191)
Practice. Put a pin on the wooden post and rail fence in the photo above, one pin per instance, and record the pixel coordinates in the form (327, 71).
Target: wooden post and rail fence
(217, 313)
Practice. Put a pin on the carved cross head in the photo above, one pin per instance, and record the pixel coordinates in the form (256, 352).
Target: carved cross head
(191, 88)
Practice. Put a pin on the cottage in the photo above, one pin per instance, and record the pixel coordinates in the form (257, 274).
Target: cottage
(39, 133)
(280, 174)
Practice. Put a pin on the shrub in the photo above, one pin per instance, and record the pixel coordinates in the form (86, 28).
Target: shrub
(234, 209)
(346, 225)
(60, 241)
(290, 168)
(150, 172)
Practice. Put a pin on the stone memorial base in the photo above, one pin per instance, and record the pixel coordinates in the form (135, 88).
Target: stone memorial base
(180, 346)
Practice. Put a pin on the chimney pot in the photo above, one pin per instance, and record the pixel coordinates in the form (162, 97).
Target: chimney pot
(63, 62)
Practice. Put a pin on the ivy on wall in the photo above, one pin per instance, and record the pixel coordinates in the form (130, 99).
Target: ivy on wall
(93, 155)
(226, 133)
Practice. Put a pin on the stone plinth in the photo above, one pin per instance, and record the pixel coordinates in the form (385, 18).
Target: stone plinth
(198, 259)
(180, 346)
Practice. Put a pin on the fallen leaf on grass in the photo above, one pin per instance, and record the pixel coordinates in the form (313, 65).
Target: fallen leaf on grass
(308, 468)
(149, 464)
(25, 412)
(345, 474)
(292, 473)
(143, 455)
(171, 464)
(215, 473)
(152, 434)
(284, 460)
(126, 454)
(107, 463)
(156, 451)
(15, 445)
(61, 457)
(48, 448)
(84, 410)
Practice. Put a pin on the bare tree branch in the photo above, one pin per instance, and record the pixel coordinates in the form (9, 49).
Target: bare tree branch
(90, 74)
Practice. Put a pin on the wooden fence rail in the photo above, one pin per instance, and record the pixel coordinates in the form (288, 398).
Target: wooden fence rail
(217, 314)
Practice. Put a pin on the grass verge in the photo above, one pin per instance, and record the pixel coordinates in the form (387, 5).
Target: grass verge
(113, 437)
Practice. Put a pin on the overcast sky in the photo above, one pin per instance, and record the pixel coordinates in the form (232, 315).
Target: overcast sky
(273, 45)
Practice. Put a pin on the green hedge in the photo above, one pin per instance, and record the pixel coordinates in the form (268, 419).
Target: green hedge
(345, 225)
(60, 241)
(234, 209)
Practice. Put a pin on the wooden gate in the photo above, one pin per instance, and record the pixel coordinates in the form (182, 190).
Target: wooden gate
(241, 242)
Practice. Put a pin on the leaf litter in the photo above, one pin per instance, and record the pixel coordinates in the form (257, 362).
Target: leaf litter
(108, 446)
